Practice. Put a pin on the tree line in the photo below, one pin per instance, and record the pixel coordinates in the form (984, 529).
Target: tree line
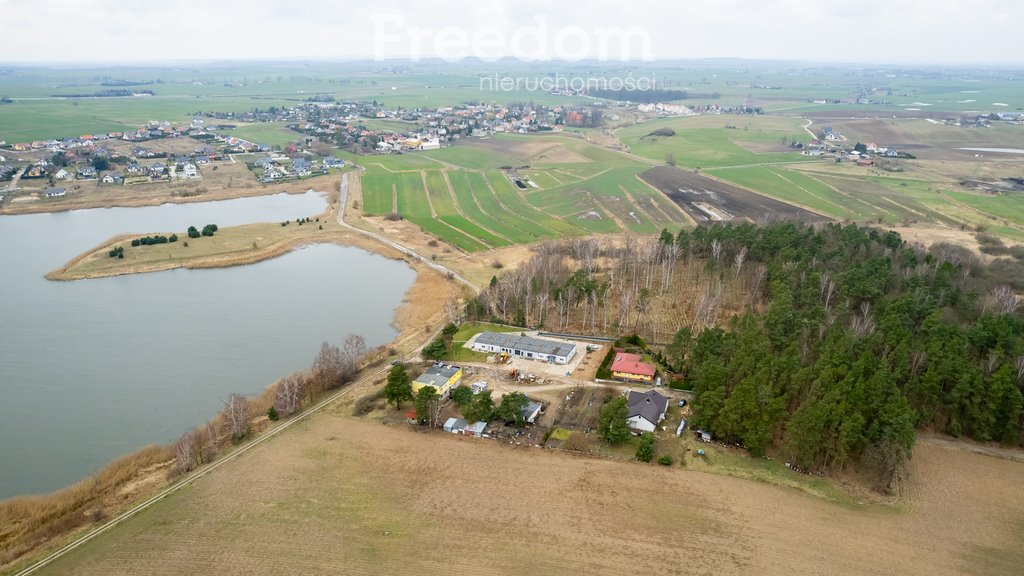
(828, 345)
(332, 368)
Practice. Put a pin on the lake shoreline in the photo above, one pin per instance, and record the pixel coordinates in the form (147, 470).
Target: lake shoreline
(145, 471)
(14, 207)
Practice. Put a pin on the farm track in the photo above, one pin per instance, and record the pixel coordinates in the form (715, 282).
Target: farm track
(342, 199)
(458, 208)
(809, 193)
(851, 197)
(679, 210)
(511, 223)
(504, 207)
(637, 205)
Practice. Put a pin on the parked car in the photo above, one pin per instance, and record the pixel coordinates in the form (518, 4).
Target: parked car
(682, 403)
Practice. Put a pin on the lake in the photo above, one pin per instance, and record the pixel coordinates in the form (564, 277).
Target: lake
(93, 369)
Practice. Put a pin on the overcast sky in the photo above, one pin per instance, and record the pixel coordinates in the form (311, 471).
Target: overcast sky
(868, 31)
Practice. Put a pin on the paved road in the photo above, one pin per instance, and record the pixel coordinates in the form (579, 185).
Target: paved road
(343, 196)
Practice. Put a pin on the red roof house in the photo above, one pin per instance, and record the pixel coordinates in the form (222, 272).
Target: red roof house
(631, 367)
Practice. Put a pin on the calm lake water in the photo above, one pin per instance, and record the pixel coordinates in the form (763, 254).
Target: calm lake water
(93, 369)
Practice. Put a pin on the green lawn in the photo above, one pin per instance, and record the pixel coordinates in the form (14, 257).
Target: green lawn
(269, 133)
(468, 330)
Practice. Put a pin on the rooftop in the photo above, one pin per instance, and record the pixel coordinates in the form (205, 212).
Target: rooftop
(631, 364)
(527, 343)
(648, 405)
(438, 375)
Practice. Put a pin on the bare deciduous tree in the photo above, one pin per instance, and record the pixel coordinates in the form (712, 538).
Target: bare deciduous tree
(236, 416)
(861, 324)
(328, 369)
(289, 394)
(1003, 300)
(352, 351)
(739, 259)
(452, 310)
(185, 453)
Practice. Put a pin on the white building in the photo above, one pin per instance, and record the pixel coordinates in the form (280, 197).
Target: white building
(513, 344)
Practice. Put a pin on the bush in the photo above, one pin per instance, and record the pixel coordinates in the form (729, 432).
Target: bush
(272, 414)
(172, 238)
(435, 350)
(604, 371)
(368, 403)
(665, 460)
(209, 229)
(116, 252)
(192, 232)
(645, 448)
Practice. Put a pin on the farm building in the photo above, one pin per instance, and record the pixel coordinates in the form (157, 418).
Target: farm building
(442, 377)
(518, 346)
(628, 366)
(646, 410)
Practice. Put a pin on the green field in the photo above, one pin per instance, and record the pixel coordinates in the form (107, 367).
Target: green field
(476, 205)
(269, 133)
(717, 141)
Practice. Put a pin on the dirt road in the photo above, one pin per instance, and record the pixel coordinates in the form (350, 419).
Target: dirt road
(343, 197)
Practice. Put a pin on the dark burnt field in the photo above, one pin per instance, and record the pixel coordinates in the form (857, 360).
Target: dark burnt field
(706, 199)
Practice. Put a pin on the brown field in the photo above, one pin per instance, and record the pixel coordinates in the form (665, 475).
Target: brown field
(347, 496)
(536, 150)
(929, 141)
(688, 190)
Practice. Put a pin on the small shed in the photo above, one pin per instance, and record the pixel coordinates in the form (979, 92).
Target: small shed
(454, 425)
(475, 429)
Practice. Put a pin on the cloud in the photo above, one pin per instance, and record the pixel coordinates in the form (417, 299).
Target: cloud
(870, 31)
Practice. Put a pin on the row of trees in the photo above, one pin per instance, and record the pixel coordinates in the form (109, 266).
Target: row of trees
(332, 367)
(151, 240)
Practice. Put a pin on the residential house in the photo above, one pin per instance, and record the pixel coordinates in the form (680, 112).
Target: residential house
(553, 351)
(302, 167)
(332, 162)
(61, 174)
(112, 178)
(54, 192)
(157, 168)
(627, 366)
(87, 173)
(34, 171)
(442, 377)
(531, 411)
(189, 170)
(646, 410)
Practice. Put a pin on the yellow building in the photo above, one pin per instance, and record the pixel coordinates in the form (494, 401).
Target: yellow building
(442, 377)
